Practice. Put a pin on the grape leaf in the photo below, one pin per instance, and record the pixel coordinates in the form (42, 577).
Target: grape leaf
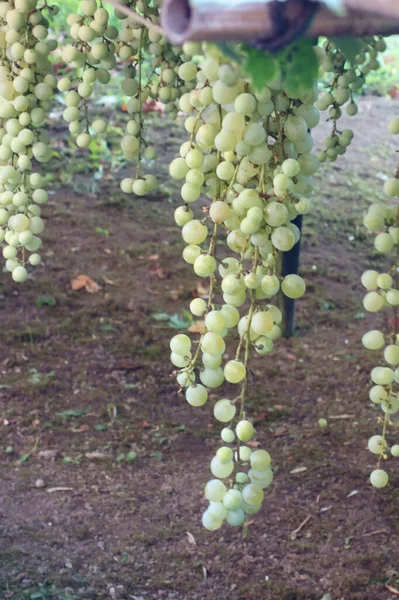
(349, 46)
(299, 65)
(260, 65)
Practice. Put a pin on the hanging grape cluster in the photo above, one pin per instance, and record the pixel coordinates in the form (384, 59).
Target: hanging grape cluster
(26, 90)
(383, 293)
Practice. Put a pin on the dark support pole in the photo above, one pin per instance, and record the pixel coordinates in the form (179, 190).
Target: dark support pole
(291, 265)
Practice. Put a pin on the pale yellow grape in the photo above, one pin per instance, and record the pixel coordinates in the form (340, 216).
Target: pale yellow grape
(270, 285)
(232, 499)
(373, 340)
(260, 459)
(234, 371)
(235, 518)
(393, 126)
(377, 393)
(383, 242)
(395, 450)
(19, 274)
(390, 406)
(245, 430)
(219, 469)
(245, 104)
(254, 134)
(264, 345)
(205, 136)
(198, 307)
(212, 378)
(290, 167)
(276, 214)
(178, 168)
(180, 343)
(217, 510)
(234, 123)
(391, 187)
(391, 354)
(295, 128)
(373, 301)
(252, 494)
(213, 343)
(224, 454)
(194, 158)
(382, 375)
(195, 178)
(392, 297)
(194, 232)
(231, 315)
(212, 361)
(224, 410)
(228, 435)
(262, 322)
(215, 490)
(191, 253)
(283, 239)
(211, 522)
(378, 478)
(262, 478)
(384, 281)
(225, 141)
(187, 71)
(376, 444)
(215, 321)
(225, 170)
(293, 286)
(190, 193)
(224, 94)
(196, 395)
(219, 211)
(184, 379)
(180, 361)
(369, 279)
(182, 215)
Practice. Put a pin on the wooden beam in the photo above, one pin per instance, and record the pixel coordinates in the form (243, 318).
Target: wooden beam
(276, 22)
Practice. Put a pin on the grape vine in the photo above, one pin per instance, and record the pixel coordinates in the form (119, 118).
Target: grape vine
(249, 152)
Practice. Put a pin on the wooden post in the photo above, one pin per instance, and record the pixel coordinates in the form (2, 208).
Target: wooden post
(291, 265)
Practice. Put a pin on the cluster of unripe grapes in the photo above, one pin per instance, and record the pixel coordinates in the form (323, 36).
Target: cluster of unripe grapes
(343, 80)
(250, 154)
(90, 56)
(26, 89)
(383, 291)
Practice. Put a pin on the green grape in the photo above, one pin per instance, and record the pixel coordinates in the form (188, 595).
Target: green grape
(219, 469)
(196, 395)
(373, 301)
(213, 343)
(211, 522)
(293, 286)
(373, 340)
(260, 460)
(198, 307)
(245, 430)
(234, 371)
(224, 410)
(395, 450)
(180, 344)
(378, 478)
(376, 444)
(212, 378)
(228, 435)
(232, 499)
(194, 232)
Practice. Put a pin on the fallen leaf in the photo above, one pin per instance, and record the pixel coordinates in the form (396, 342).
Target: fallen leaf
(353, 493)
(191, 538)
(109, 281)
(197, 327)
(94, 455)
(202, 290)
(299, 470)
(145, 425)
(157, 272)
(59, 489)
(85, 282)
(253, 444)
(81, 428)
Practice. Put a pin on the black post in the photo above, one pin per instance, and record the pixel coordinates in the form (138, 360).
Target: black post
(291, 265)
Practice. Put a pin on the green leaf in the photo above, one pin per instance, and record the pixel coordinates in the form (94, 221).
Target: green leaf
(101, 427)
(349, 46)
(131, 456)
(101, 231)
(229, 51)
(160, 316)
(72, 413)
(45, 301)
(24, 457)
(299, 65)
(9, 450)
(178, 322)
(260, 65)
(105, 328)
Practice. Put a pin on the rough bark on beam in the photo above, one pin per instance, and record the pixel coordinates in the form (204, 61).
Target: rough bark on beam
(276, 22)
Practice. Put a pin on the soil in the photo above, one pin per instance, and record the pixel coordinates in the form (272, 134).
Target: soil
(88, 407)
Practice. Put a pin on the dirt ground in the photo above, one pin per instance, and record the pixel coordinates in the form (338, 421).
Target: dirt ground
(88, 407)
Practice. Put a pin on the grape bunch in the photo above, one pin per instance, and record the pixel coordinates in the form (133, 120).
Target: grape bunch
(90, 56)
(383, 292)
(27, 86)
(342, 80)
(250, 154)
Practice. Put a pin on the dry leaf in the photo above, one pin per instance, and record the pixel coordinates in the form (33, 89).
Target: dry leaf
(299, 470)
(81, 428)
(85, 282)
(145, 425)
(253, 444)
(197, 327)
(157, 272)
(202, 290)
(191, 538)
(59, 489)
